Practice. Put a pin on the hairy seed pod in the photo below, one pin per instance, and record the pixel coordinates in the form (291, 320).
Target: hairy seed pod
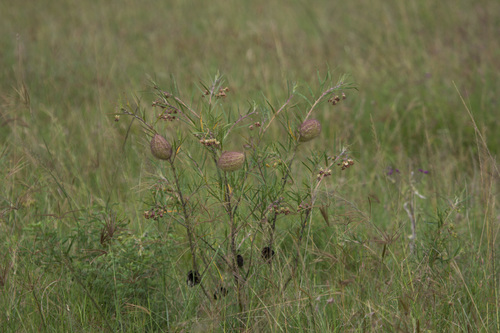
(160, 148)
(231, 161)
(309, 129)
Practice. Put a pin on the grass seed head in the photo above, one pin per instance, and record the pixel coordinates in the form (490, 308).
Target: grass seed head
(231, 161)
(160, 148)
(309, 129)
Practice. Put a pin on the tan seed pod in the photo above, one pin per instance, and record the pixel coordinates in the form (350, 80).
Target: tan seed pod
(160, 148)
(309, 129)
(231, 161)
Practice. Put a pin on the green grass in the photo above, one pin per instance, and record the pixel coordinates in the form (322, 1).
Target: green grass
(67, 168)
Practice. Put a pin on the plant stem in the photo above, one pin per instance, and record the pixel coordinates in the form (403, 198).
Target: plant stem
(299, 242)
(189, 226)
(326, 92)
(234, 265)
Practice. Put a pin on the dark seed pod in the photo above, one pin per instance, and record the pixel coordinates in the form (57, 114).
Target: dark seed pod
(193, 278)
(239, 260)
(220, 292)
(267, 253)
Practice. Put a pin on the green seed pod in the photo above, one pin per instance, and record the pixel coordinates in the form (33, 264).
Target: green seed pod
(309, 129)
(231, 161)
(160, 148)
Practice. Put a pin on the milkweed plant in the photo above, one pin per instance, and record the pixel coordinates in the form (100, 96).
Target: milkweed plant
(242, 186)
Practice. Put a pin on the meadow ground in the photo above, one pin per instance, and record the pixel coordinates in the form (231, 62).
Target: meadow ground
(77, 253)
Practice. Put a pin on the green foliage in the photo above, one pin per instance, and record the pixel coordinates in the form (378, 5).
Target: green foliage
(68, 169)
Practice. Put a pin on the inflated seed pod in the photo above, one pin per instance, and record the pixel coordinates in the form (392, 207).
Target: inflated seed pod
(231, 161)
(309, 129)
(160, 148)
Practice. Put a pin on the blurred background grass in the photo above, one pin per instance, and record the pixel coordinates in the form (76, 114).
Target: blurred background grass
(66, 66)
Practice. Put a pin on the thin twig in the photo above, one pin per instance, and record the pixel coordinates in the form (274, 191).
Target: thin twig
(138, 118)
(277, 112)
(234, 266)
(186, 215)
(178, 100)
(237, 121)
(308, 216)
(326, 92)
(408, 206)
(89, 295)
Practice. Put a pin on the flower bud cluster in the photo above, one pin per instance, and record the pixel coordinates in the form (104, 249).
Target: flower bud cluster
(346, 163)
(257, 124)
(278, 209)
(323, 173)
(160, 186)
(168, 114)
(155, 213)
(274, 164)
(210, 142)
(304, 206)
(336, 99)
(222, 92)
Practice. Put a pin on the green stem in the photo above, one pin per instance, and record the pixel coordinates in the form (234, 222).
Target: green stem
(234, 265)
(189, 226)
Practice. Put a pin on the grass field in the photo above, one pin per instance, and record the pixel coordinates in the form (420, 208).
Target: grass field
(77, 253)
